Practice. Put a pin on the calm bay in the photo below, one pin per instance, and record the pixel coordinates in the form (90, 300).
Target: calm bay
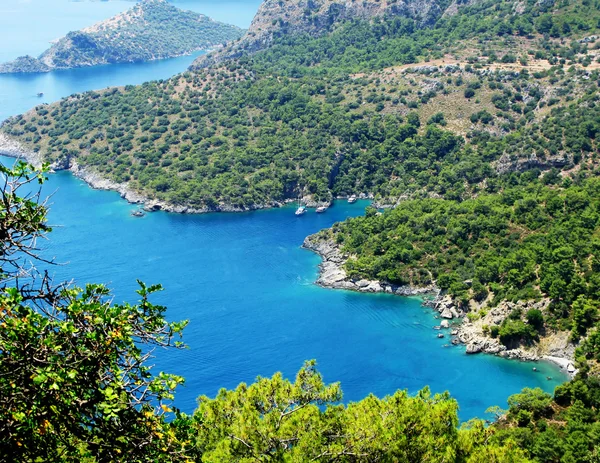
(242, 280)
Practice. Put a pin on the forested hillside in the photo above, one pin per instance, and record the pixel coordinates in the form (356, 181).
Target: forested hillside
(77, 386)
(492, 108)
(152, 29)
(344, 113)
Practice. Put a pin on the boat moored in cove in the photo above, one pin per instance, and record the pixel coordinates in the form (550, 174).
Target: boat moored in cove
(138, 213)
(352, 199)
(301, 210)
(321, 209)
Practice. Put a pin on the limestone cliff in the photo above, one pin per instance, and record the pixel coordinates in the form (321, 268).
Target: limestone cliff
(315, 17)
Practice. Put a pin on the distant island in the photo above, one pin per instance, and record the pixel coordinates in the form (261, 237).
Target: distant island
(152, 29)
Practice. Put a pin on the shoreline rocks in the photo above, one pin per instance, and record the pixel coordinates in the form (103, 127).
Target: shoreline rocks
(333, 275)
(554, 348)
(12, 148)
(98, 182)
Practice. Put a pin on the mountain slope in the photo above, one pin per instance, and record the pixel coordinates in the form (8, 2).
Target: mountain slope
(277, 18)
(345, 112)
(498, 99)
(481, 132)
(152, 29)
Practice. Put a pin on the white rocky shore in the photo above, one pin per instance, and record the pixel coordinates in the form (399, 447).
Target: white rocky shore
(98, 182)
(333, 275)
(12, 148)
(554, 348)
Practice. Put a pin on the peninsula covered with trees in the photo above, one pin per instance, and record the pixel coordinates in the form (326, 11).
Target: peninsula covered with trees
(152, 29)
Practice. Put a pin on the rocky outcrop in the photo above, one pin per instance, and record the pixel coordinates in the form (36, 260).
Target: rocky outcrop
(14, 149)
(333, 275)
(22, 65)
(457, 4)
(554, 347)
(446, 307)
(276, 18)
(508, 163)
(474, 334)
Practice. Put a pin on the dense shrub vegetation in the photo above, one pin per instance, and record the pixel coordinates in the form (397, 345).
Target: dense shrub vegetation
(76, 386)
(299, 119)
(526, 242)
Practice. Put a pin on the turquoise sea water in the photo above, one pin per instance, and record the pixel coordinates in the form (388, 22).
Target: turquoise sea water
(242, 279)
(247, 288)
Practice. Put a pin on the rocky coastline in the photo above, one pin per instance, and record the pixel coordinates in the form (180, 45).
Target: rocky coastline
(14, 149)
(333, 275)
(554, 348)
(96, 181)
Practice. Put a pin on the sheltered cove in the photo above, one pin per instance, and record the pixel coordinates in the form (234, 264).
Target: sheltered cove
(553, 348)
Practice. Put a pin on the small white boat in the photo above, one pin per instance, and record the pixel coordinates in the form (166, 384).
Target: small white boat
(352, 199)
(321, 209)
(138, 213)
(301, 210)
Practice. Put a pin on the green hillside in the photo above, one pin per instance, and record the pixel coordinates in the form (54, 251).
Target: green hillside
(479, 128)
(333, 115)
(152, 29)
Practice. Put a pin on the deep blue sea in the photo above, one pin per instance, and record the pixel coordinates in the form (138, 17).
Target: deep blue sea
(242, 280)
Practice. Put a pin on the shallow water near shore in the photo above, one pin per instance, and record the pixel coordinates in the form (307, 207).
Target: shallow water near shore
(246, 286)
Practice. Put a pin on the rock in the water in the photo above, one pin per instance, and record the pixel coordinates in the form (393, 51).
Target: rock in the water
(447, 314)
(445, 324)
(333, 274)
(473, 348)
